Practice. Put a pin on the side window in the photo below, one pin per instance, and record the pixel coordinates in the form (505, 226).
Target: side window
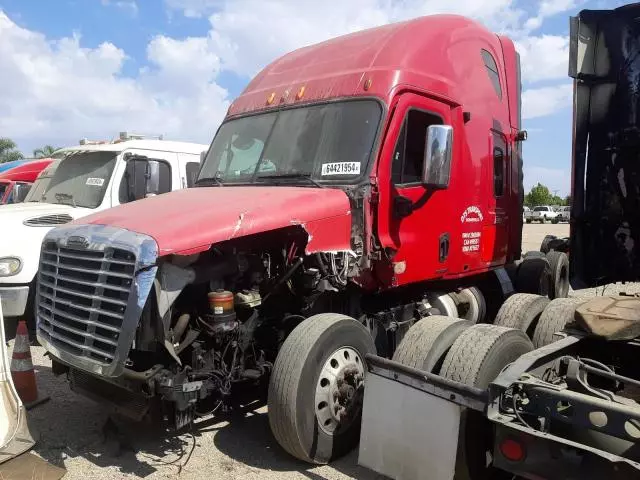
(144, 177)
(492, 71)
(192, 169)
(408, 157)
(498, 171)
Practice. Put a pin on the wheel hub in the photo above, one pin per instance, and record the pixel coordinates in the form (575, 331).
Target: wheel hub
(339, 390)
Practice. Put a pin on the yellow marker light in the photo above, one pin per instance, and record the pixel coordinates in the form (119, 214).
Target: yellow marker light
(285, 95)
(300, 93)
(367, 84)
(271, 98)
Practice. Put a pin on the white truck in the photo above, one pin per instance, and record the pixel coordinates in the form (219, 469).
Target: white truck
(87, 178)
(542, 214)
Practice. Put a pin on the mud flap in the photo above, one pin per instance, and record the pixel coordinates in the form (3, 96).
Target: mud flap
(15, 437)
(410, 421)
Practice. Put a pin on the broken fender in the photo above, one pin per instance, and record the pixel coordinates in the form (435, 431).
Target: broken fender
(15, 437)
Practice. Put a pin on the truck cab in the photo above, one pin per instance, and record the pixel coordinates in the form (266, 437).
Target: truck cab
(354, 186)
(16, 182)
(87, 178)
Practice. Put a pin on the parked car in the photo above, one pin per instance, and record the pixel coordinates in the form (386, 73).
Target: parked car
(564, 214)
(526, 213)
(542, 214)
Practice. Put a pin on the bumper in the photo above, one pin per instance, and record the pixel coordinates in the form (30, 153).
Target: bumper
(14, 300)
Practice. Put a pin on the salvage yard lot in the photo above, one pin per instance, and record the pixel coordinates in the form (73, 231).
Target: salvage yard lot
(70, 432)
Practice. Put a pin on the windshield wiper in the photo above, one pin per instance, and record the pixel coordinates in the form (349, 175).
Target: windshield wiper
(216, 179)
(65, 196)
(303, 176)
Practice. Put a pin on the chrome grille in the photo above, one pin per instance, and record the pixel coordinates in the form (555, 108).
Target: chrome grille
(82, 298)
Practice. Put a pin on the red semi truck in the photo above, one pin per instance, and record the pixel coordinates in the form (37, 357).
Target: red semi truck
(552, 389)
(355, 187)
(16, 182)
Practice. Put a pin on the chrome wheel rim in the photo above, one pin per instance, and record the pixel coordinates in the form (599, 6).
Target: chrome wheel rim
(338, 399)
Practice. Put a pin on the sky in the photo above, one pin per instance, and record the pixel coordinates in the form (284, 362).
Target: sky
(72, 69)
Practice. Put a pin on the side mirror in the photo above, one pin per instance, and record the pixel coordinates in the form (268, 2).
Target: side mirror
(20, 192)
(437, 156)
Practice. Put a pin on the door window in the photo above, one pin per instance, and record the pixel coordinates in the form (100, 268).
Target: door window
(144, 177)
(408, 157)
(192, 169)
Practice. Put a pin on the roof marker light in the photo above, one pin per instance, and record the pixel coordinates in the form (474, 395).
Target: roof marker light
(367, 84)
(271, 98)
(300, 93)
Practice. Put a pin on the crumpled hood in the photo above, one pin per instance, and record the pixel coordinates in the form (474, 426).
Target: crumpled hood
(191, 220)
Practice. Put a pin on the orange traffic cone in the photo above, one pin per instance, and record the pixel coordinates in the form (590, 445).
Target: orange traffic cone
(24, 377)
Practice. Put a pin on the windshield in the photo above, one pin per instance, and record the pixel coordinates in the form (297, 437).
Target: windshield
(540, 209)
(80, 179)
(326, 142)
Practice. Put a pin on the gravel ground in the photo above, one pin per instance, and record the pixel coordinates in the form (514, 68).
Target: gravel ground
(70, 432)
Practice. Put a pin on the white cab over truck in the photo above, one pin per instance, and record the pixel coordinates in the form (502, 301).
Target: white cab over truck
(86, 178)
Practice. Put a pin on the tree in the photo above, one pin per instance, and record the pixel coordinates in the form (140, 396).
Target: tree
(539, 195)
(44, 152)
(8, 152)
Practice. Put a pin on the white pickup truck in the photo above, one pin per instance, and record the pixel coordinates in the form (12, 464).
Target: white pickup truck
(87, 178)
(542, 213)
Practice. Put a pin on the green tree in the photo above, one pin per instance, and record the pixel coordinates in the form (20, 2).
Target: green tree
(539, 195)
(8, 151)
(44, 152)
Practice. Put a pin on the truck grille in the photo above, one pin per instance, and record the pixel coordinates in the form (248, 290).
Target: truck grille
(82, 298)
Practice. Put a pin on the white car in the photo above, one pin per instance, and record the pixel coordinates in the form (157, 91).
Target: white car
(543, 213)
(87, 178)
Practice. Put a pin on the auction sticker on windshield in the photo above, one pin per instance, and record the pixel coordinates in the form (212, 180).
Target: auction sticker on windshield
(98, 182)
(341, 168)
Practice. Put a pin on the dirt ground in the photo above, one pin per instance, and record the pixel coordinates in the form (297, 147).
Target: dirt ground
(70, 432)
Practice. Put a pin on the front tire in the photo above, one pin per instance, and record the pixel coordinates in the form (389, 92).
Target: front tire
(315, 391)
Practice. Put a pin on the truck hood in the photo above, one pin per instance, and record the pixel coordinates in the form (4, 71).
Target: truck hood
(190, 221)
(23, 227)
(40, 214)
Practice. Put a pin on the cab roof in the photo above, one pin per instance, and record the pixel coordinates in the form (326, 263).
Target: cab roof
(372, 62)
(157, 145)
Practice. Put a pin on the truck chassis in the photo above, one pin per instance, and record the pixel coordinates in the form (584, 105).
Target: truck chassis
(541, 427)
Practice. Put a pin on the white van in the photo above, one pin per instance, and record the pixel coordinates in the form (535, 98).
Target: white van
(87, 178)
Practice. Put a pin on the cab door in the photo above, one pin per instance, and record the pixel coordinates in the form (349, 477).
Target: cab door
(497, 225)
(414, 226)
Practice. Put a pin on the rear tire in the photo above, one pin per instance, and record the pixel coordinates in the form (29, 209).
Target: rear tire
(559, 264)
(556, 315)
(477, 310)
(299, 384)
(534, 276)
(521, 311)
(427, 342)
(544, 246)
(476, 358)
(444, 303)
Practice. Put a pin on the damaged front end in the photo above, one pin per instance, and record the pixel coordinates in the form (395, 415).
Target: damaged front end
(178, 335)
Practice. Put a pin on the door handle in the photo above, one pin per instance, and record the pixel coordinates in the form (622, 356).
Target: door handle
(443, 247)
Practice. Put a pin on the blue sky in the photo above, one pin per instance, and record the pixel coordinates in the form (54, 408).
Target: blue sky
(91, 68)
